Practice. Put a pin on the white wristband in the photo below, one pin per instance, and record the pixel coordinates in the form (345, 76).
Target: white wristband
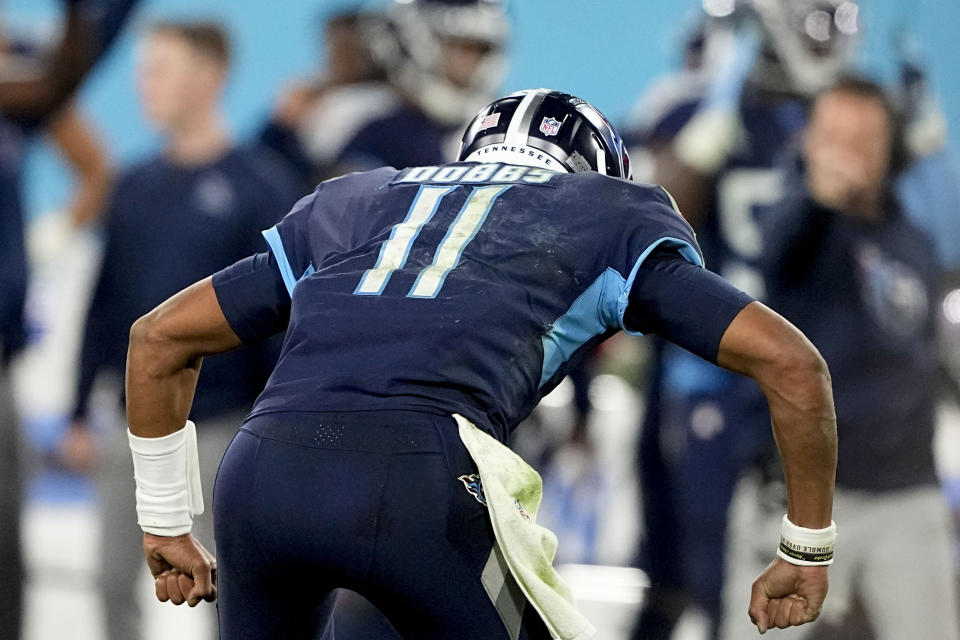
(806, 547)
(167, 473)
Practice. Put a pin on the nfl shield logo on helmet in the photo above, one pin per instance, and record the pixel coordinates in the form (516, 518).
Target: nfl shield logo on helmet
(550, 126)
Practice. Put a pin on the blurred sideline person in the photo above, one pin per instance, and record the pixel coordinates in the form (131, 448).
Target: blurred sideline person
(191, 209)
(716, 145)
(314, 118)
(29, 96)
(847, 266)
(427, 311)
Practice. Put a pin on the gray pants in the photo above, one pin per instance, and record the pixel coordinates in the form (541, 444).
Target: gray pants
(122, 539)
(894, 555)
(11, 491)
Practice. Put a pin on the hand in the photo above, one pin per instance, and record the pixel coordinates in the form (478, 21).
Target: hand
(294, 102)
(77, 449)
(787, 595)
(183, 570)
(835, 178)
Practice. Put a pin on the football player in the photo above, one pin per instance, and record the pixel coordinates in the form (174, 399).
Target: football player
(401, 83)
(314, 117)
(443, 60)
(418, 303)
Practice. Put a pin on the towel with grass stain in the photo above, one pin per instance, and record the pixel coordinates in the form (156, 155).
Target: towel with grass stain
(513, 490)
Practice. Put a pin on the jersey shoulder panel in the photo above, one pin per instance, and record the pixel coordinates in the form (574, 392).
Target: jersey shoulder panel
(349, 196)
(629, 203)
(337, 217)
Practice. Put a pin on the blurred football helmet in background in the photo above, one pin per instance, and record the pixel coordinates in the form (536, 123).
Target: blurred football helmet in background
(805, 45)
(447, 56)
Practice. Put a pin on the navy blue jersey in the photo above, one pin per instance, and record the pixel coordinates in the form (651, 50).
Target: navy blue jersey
(461, 288)
(751, 181)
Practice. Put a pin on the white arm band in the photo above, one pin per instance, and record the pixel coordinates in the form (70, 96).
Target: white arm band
(806, 547)
(167, 472)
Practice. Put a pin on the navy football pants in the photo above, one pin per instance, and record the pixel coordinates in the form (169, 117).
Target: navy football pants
(367, 501)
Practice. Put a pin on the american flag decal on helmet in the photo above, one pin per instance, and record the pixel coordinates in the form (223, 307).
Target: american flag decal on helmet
(491, 120)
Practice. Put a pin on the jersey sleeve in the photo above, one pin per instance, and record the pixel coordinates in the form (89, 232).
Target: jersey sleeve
(290, 245)
(682, 302)
(655, 224)
(253, 297)
(254, 293)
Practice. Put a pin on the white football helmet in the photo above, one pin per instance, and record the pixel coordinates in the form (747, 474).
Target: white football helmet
(410, 42)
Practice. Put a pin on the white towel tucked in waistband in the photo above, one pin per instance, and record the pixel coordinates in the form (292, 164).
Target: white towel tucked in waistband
(513, 490)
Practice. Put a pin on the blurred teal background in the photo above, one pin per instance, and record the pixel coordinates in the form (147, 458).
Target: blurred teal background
(606, 51)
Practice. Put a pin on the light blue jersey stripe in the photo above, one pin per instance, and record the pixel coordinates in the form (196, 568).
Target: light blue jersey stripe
(272, 236)
(591, 314)
(599, 308)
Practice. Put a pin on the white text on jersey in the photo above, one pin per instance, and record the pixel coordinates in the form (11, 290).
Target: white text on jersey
(478, 173)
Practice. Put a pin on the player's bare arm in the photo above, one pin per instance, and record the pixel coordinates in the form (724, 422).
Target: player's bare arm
(163, 362)
(669, 298)
(795, 380)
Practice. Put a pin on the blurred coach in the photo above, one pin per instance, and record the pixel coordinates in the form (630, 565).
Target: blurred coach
(850, 270)
(196, 207)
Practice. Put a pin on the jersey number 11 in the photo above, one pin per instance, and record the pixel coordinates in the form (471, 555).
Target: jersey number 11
(395, 250)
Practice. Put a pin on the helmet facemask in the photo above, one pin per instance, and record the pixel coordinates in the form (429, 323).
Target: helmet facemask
(805, 44)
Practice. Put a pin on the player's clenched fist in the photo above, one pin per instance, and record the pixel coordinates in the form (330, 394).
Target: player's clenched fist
(787, 595)
(183, 570)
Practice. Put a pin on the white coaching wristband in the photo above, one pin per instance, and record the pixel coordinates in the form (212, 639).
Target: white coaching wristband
(167, 473)
(806, 547)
